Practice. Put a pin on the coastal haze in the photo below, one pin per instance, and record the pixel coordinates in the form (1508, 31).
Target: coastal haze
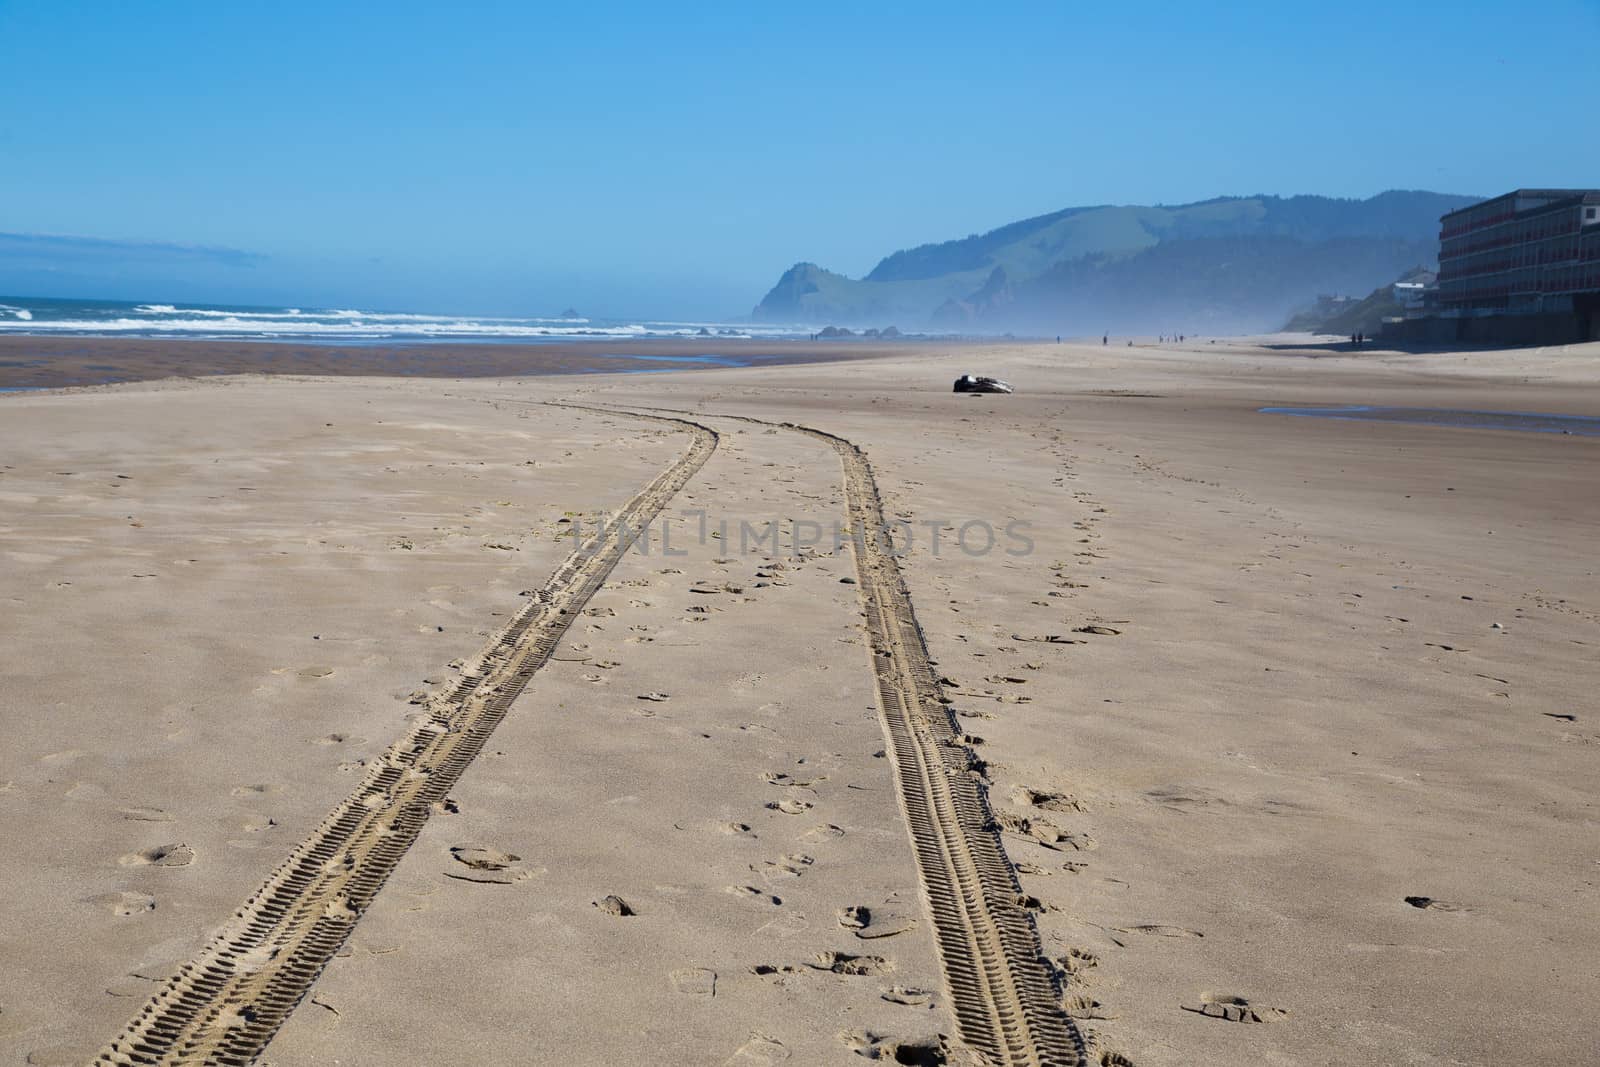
(1046, 537)
(1232, 265)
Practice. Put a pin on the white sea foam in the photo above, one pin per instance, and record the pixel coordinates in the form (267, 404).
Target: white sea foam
(255, 325)
(338, 316)
(354, 323)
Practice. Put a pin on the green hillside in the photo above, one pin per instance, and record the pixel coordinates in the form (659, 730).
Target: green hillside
(1234, 263)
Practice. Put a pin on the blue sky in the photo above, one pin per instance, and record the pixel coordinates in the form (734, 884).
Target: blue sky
(646, 159)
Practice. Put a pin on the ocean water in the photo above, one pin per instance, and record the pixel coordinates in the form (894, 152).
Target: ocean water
(338, 325)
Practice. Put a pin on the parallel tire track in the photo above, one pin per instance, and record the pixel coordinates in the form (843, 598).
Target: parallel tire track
(226, 1004)
(1005, 995)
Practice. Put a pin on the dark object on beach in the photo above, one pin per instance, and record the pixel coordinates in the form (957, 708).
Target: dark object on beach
(969, 383)
(615, 905)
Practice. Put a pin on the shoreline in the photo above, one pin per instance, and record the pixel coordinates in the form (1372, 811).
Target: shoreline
(31, 362)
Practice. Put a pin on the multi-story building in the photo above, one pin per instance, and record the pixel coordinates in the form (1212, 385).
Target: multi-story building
(1528, 252)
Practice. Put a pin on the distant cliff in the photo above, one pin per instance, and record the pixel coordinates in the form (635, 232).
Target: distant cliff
(1226, 265)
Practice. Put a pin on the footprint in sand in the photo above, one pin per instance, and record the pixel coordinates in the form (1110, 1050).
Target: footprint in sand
(791, 866)
(337, 739)
(759, 1051)
(1028, 902)
(1233, 1009)
(134, 985)
(1044, 833)
(126, 903)
(176, 855)
(486, 864)
(314, 672)
(1159, 930)
(694, 981)
(61, 1055)
(789, 806)
(261, 789)
(1085, 1006)
(846, 963)
(1046, 799)
(870, 924)
(1074, 965)
(339, 909)
(907, 995)
(872, 1046)
(750, 892)
(1432, 904)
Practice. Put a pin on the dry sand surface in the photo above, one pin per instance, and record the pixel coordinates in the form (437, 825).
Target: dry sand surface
(1286, 724)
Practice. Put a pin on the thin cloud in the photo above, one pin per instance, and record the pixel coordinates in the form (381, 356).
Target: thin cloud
(40, 249)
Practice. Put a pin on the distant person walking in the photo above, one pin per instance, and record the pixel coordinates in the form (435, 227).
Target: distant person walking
(1105, 339)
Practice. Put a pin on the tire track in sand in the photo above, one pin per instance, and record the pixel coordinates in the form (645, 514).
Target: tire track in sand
(225, 1005)
(1005, 995)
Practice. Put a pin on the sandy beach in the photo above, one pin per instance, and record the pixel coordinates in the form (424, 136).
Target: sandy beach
(332, 725)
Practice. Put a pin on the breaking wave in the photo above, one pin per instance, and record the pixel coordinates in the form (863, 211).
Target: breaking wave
(66, 317)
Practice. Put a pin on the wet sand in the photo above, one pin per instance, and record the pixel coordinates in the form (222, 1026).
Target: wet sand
(34, 362)
(1284, 719)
